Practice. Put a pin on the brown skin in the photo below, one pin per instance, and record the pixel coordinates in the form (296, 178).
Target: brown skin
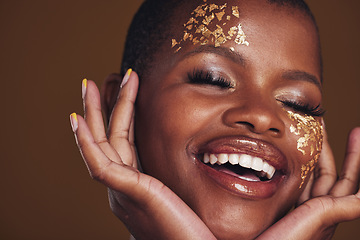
(173, 116)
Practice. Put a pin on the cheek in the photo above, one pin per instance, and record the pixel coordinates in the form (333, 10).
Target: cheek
(309, 134)
(169, 121)
(181, 114)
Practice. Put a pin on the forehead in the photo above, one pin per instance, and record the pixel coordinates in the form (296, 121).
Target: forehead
(253, 24)
(260, 30)
(217, 22)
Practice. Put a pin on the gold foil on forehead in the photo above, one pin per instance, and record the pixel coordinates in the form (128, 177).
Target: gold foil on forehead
(223, 6)
(208, 19)
(220, 15)
(235, 11)
(212, 7)
(205, 27)
(310, 132)
(200, 11)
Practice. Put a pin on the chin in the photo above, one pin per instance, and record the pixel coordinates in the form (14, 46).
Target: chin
(234, 231)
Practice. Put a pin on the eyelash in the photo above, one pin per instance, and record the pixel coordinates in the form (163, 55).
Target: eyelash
(202, 77)
(317, 111)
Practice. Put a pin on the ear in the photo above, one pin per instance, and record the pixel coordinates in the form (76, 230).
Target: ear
(109, 92)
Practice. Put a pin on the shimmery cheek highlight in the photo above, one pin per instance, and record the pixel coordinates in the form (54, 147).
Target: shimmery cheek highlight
(310, 139)
(208, 25)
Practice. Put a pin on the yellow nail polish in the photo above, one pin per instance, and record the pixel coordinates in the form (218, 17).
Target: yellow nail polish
(83, 88)
(126, 77)
(129, 71)
(74, 122)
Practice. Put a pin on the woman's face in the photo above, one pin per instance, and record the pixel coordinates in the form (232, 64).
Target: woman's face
(240, 106)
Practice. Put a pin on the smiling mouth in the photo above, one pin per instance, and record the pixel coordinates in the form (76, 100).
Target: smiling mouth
(243, 166)
(250, 168)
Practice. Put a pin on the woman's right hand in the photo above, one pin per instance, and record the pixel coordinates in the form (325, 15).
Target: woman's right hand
(148, 208)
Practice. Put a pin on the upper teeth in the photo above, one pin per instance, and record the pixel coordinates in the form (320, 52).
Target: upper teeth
(243, 160)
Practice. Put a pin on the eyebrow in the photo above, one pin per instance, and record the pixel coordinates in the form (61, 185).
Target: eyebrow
(225, 52)
(302, 76)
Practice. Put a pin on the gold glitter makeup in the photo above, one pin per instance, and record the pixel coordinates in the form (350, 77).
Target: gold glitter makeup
(206, 26)
(310, 132)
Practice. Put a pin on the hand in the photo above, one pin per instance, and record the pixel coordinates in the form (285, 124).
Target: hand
(326, 200)
(148, 208)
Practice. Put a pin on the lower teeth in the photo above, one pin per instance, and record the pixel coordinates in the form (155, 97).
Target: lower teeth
(238, 171)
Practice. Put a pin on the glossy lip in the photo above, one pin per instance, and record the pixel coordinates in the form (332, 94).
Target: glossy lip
(250, 146)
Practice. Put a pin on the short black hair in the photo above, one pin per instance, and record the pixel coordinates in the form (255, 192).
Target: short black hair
(151, 24)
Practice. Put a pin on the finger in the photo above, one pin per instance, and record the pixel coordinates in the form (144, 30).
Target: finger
(325, 174)
(94, 119)
(348, 182)
(120, 131)
(315, 216)
(132, 143)
(112, 174)
(306, 194)
(92, 110)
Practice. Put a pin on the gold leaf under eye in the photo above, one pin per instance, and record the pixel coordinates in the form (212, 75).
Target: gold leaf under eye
(311, 135)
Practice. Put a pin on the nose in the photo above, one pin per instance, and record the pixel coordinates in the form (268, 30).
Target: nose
(258, 116)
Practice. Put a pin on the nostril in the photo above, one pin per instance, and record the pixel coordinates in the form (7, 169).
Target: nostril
(258, 129)
(274, 130)
(246, 124)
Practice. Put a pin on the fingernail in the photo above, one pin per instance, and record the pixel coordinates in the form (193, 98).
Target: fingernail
(83, 87)
(126, 77)
(74, 122)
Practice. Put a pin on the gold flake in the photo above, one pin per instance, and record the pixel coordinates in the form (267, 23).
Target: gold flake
(206, 41)
(241, 37)
(219, 41)
(191, 20)
(212, 7)
(200, 28)
(174, 43)
(208, 19)
(220, 15)
(200, 12)
(232, 31)
(189, 27)
(186, 36)
(223, 6)
(235, 11)
(310, 132)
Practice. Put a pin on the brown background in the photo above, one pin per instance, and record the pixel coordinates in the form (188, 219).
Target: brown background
(47, 47)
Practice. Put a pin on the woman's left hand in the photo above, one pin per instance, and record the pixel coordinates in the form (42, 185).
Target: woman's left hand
(327, 200)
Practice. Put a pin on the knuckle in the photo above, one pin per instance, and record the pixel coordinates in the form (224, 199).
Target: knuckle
(98, 173)
(346, 178)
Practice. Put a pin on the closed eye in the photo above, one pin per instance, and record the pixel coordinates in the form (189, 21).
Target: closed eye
(316, 111)
(205, 77)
